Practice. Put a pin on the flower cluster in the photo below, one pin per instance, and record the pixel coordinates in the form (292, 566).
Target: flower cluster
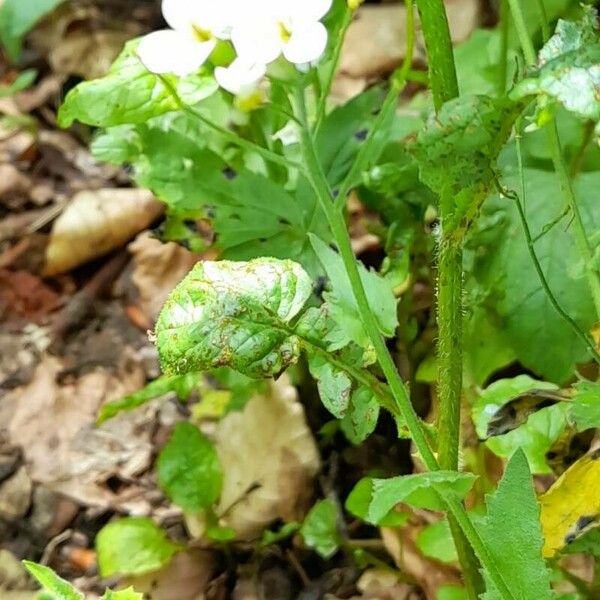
(260, 31)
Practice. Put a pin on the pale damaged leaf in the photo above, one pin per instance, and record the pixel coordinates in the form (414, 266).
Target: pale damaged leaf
(234, 314)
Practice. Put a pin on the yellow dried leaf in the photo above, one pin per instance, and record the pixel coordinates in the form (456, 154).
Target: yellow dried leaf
(572, 505)
(96, 222)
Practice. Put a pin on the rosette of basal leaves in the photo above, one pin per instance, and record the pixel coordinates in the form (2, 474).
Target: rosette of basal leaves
(457, 149)
(253, 317)
(568, 70)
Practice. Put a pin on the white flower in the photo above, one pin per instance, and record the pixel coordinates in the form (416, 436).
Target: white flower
(240, 77)
(291, 27)
(195, 27)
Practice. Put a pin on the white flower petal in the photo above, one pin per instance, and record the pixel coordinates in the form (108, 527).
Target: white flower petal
(307, 43)
(169, 51)
(240, 77)
(308, 10)
(210, 16)
(257, 41)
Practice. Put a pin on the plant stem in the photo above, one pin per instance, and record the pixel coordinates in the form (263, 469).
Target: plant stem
(442, 72)
(397, 83)
(504, 26)
(543, 19)
(589, 343)
(336, 222)
(566, 185)
(230, 136)
(330, 76)
(444, 87)
(450, 325)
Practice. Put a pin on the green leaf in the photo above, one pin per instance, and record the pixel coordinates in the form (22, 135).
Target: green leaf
(17, 17)
(170, 157)
(182, 385)
(22, 82)
(343, 307)
(535, 437)
(334, 385)
(344, 131)
(457, 150)
(132, 546)
(451, 592)
(129, 93)
(372, 499)
(284, 532)
(319, 529)
(513, 522)
(51, 582)
(188, 469)
(504, 278)
(362, 415)
(233, 314)
(128, 594)
(585, 410)
(569, 68)
(435, 541)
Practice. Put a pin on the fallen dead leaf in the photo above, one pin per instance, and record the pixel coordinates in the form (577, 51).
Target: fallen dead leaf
(53, 422)
(184, 578)
(14, 581)
(428, 574)
(25, 295)
(269, 458)
(96, 222)
(376, 40)
(15, 495)
(158, 268)
(377, 584)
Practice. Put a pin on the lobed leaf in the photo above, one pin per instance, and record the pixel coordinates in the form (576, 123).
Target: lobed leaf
(372, 499)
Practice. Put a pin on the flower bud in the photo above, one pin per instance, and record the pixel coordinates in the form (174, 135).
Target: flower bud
(354, 4)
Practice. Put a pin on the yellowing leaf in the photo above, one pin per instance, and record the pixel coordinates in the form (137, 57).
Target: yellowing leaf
(572, 504)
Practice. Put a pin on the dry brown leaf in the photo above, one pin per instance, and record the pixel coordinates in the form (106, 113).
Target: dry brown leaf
(14, 581)
(158, 268)
(429, 574)
(15, 495)
(184, 578)
(53, 422)
(376, 40)
(96, 222)
(377, 584)
(269, 458)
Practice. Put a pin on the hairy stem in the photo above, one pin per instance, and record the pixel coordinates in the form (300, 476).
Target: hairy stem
(450, 325)
(565, 182)
(444, 87)
(335, 219)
